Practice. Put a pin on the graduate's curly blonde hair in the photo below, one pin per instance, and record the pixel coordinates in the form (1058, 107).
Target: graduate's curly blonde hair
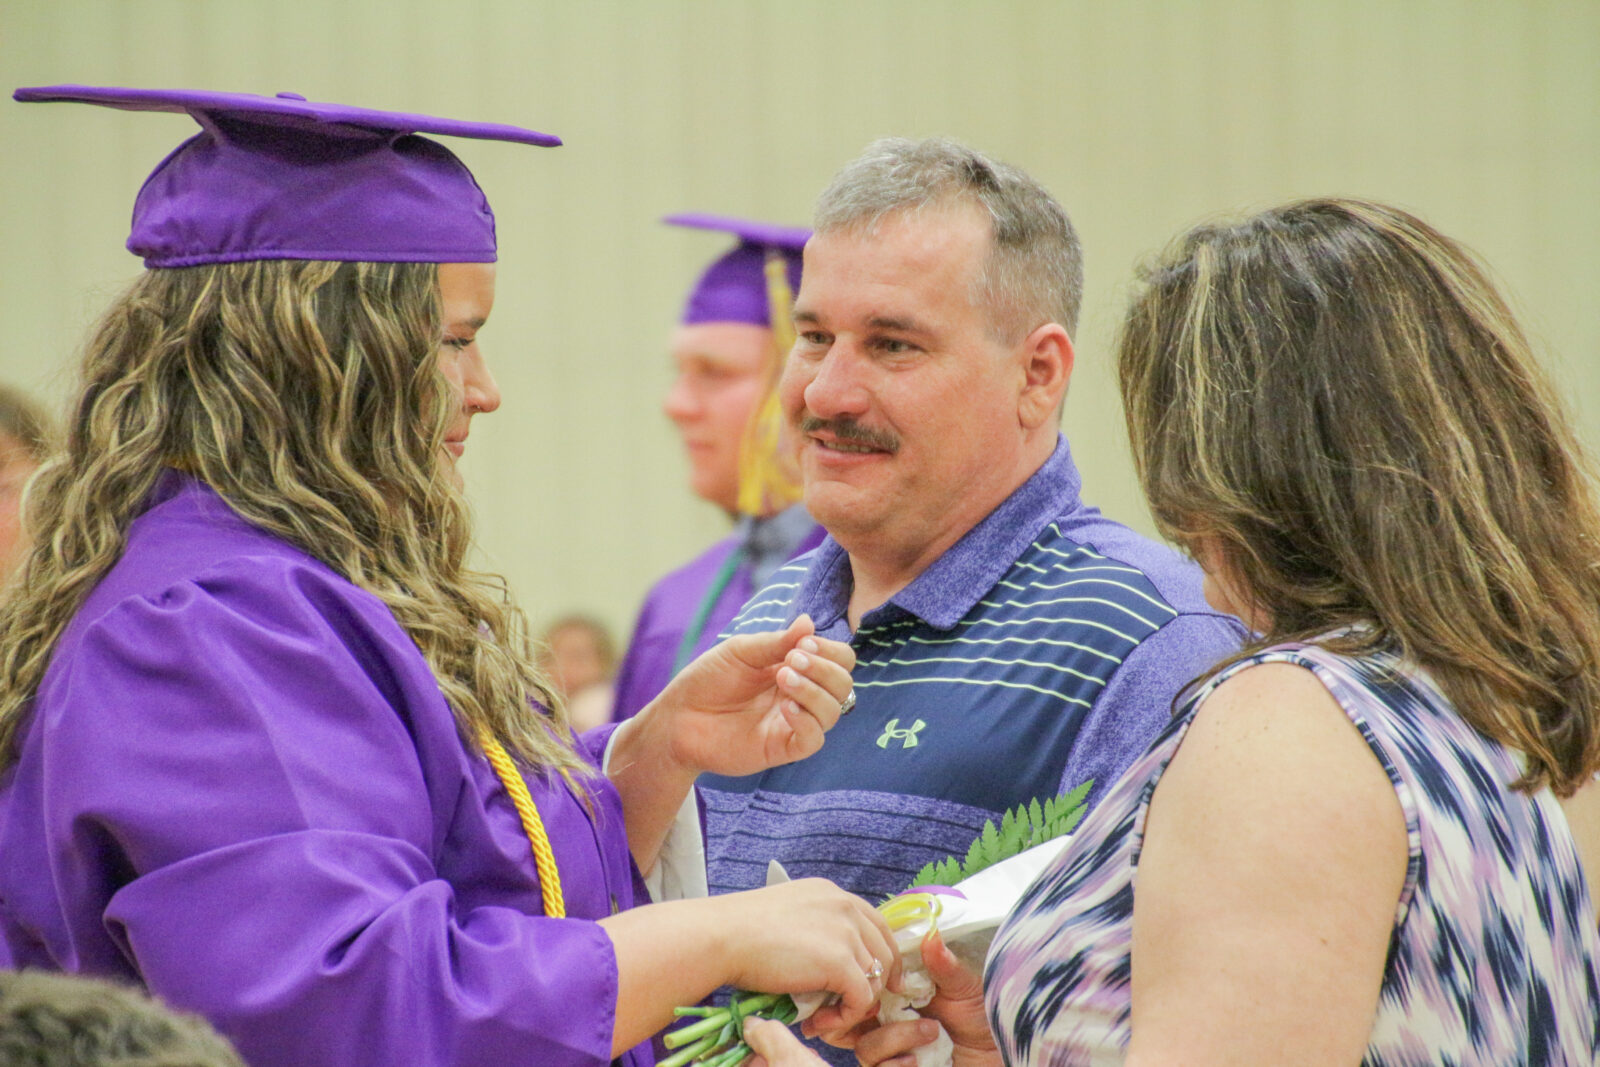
(307, 394)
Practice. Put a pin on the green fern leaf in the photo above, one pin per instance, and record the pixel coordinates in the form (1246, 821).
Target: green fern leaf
(1020, 829)
(974, 860)
(991, 844)
(1075, 797)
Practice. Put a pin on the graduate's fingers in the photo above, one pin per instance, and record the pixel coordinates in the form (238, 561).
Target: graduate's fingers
(828, 672)
(764, 651)
(818, 686)
(801, 734)
(841, 652)
(809, 711)
(879, 971)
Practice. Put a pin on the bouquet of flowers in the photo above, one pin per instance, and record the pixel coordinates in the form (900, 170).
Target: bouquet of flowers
(965, 900)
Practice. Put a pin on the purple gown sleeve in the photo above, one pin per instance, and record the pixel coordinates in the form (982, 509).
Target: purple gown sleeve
(258, 776)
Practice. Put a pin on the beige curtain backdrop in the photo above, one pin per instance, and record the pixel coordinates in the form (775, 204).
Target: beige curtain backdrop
(1143, 117)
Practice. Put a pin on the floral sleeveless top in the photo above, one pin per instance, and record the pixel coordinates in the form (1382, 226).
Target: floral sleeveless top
(1495, 955)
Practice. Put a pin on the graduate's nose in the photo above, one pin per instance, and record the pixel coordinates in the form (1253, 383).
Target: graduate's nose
(482, 392)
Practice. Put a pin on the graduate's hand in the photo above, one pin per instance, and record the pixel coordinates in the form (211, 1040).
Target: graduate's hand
(750, 703)
(958, 1004)
(805, 936)
(756, 700)
(808, 936)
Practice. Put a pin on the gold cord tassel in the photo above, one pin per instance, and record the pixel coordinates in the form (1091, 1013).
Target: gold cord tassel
(766, 483)
(543, 857)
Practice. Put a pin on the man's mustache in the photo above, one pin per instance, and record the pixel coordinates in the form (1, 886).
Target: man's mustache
(848, 431)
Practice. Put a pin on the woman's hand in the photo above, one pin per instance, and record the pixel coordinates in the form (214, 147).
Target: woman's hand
(752, 702)
(755, 701)
(775, 1046)
(810, 936)
(797, 937)
(958, 1004)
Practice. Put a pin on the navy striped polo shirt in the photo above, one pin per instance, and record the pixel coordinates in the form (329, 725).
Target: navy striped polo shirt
(1041, 650)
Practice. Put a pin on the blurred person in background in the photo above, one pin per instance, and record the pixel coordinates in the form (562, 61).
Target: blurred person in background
(728, 352)
(578, 654)
(24, 440)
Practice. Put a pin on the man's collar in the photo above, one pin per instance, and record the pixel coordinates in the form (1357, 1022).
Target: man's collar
(951, 585)
(775, 535)
(768, 543)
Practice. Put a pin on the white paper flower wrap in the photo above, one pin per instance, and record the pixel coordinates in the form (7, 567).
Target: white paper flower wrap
(967, 919)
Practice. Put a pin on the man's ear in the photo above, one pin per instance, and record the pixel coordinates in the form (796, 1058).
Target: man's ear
(1047, 367)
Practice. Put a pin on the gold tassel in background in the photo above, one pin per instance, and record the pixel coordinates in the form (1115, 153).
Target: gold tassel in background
(767, 484)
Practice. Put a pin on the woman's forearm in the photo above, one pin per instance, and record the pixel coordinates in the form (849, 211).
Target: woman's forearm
(651, 783)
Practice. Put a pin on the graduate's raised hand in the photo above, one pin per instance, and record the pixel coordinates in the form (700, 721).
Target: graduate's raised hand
(756, 700)
(750, 703)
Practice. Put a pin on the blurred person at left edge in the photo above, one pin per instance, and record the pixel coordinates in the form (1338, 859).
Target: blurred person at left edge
(267, 746)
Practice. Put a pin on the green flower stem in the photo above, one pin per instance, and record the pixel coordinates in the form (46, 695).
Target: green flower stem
(694, 1051)
(717, 1035)
(731, 1058)
(749, 1005)
(710, 1024)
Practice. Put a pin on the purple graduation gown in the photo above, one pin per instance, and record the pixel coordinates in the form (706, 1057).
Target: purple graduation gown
(240, 785)
(669, 610)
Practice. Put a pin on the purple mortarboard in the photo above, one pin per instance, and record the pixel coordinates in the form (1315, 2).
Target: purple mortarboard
(284, 178)
(734, 288)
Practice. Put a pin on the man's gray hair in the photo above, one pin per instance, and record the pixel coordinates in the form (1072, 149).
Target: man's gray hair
(1034, 273)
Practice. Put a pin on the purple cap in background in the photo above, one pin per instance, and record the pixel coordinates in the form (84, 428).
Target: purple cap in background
(734, 288)
(285, 178)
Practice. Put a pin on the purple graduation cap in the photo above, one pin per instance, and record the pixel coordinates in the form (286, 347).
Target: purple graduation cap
(734, 288)
(281, 177)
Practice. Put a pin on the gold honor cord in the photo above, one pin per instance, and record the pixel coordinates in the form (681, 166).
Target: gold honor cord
(543, 858)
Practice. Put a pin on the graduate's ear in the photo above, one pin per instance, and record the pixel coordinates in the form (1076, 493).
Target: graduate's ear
(1046, 356)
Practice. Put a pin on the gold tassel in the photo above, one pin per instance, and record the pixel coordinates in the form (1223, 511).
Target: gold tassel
(767, 484)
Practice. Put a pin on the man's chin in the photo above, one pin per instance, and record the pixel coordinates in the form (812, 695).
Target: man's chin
(836, 503)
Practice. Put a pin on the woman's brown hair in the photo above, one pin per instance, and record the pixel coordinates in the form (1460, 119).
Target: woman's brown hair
(1336, 395)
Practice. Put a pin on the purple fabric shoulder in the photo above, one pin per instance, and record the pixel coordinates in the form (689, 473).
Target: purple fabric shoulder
(245, 790)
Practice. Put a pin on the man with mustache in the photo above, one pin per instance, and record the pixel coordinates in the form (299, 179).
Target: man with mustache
(1011, 642)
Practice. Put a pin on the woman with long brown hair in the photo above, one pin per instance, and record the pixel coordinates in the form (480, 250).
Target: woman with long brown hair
(268, 745)
(1374, 835)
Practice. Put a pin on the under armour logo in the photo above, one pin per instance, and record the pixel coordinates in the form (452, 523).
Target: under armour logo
(907, 737)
